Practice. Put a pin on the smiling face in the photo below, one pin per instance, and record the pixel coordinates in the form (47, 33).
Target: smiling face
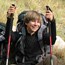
(32, 21)
(33, 26)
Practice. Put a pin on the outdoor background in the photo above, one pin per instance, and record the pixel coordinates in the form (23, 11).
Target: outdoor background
(58, 7)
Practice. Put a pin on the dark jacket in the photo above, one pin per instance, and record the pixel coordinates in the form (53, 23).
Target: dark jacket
(18, 46)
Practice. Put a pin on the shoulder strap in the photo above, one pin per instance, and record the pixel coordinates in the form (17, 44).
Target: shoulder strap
(43, 26)
(40, 33)
(40, 37)
(41, 30)
(45, 22)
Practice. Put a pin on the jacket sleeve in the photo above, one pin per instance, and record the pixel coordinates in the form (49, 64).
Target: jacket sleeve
(46, 36)
(9, 24)
(53, 31)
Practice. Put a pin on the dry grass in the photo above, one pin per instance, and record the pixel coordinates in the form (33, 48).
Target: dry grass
(60, 53)
(58, 7)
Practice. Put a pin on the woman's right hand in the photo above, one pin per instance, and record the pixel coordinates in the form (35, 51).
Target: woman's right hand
(11, 10)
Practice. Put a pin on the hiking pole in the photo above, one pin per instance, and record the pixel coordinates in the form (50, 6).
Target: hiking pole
(9, 38)
(51, 59)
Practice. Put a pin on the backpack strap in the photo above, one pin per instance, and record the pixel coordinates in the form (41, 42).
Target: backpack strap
(45, 22)
(40, 37)
(40, 31)
(21, 44)
(44, 25)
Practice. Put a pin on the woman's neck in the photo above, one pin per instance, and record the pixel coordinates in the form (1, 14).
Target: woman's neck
(30, 32)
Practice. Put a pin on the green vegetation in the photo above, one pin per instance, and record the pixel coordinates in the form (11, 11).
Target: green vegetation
(58, 7)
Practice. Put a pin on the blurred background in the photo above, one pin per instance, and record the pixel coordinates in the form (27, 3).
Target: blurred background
(58, 7)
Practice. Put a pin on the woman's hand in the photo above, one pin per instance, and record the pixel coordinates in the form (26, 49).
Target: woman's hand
(11, 10)
(49, 14)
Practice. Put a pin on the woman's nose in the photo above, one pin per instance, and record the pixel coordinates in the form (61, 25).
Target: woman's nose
(36, 22)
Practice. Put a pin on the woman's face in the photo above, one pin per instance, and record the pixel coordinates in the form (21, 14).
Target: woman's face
(33, 26)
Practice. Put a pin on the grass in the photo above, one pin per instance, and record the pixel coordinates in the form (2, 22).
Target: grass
(60, 53)
(58, 7)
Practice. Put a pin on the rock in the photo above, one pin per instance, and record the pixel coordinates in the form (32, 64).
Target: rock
(59, 47)
(60, 44)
